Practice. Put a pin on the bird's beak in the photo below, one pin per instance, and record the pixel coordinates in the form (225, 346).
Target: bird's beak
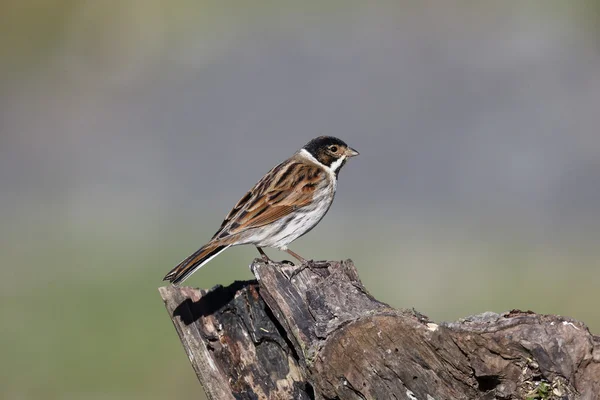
(350, 152)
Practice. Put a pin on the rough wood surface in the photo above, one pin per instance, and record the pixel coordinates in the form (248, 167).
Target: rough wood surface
(321, 335)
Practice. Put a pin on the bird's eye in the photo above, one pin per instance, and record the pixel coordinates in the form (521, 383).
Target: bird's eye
(333, 149)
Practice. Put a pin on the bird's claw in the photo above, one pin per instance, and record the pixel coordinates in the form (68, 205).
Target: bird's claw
(311, 265)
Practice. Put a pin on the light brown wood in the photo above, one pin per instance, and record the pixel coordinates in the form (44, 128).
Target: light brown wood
(321, 335)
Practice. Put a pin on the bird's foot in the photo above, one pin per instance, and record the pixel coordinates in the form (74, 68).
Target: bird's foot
(311, 265)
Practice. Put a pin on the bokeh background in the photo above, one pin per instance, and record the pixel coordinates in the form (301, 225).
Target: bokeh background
(129, 128)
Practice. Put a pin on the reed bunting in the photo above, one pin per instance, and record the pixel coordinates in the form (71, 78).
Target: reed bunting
(284, 205)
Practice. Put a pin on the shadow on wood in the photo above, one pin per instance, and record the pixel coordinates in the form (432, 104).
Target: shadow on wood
(321, 335)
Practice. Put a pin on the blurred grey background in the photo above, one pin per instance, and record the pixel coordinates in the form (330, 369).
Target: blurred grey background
(129, 128)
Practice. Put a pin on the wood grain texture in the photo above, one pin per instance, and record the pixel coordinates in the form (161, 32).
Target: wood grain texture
(321, 335)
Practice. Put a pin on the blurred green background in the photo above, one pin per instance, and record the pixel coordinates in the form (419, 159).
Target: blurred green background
(129, 128)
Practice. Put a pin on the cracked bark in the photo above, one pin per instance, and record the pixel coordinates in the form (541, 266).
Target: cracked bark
(323, 336)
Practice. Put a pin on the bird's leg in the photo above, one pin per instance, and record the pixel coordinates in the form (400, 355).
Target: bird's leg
(305, 264)
(297, 256)
(263, 255)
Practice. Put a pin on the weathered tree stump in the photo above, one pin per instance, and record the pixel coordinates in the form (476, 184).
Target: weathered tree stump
(321, 335)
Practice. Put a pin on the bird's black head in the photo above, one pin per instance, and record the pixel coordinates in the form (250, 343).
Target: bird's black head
(330, 151)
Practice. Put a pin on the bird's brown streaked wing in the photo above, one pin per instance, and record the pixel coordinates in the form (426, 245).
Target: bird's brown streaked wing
(248, 197)
(285, 188)
(234, 211)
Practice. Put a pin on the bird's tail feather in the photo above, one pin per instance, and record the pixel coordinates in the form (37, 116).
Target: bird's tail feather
(188, 266)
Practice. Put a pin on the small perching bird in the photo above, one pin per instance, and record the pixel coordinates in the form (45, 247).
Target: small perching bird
(285, 204)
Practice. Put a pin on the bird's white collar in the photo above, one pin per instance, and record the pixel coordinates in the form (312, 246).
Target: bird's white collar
(331, 170)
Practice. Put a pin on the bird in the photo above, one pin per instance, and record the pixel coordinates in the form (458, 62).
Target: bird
(285, 204)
